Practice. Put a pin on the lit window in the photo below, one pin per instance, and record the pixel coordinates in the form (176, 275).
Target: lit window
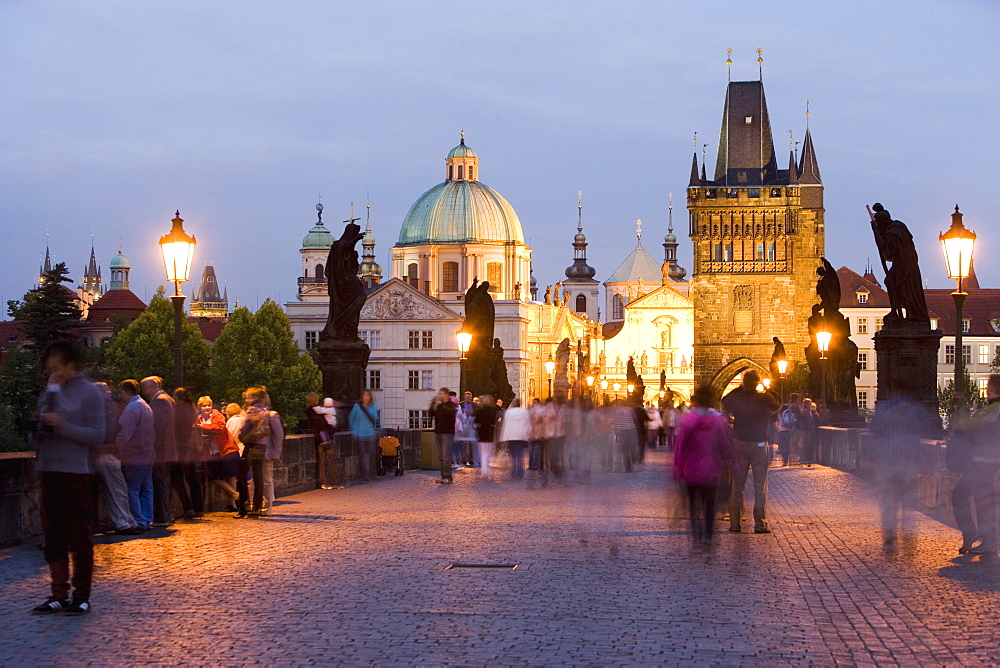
(775, 192)
(982, 387)
(934, 323)
(862, 297)
(863, 398)
(748, 120)
(413, 338)
(312, 340)
(878, 324)
(427, 339)
(966, 325)
(374, 379)
(426, 380)
(494, 274)
(449, 275)
(413, 380)
(862, 325)
(984, 354)
(863, 360)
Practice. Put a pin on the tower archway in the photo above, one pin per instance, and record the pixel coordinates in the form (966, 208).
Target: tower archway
(724, 376)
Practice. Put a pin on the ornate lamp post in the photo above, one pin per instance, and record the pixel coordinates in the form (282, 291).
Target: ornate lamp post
(550, 367)
(177, 247)
(464, 340)
(782, 369)
(823, 341)
(604, 390)
(617, 388)
(590, 386)
(958, 243)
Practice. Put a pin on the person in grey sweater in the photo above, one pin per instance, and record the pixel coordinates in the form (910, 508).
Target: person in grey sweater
(135, 447)
(162, 404)
(71, 425)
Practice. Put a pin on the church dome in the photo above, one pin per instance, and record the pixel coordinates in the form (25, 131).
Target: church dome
(461, 210)
(119, 262)
(319, 238)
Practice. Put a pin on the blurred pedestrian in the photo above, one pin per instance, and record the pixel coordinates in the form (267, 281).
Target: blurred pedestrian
(703, 448)
(235, 419)
(443, 409)
(752, 411)
(466, 438)
(109, 470)
(808, 428)
(135, 441)
(788, 420)
(654, 426)
(185, 473)
(151, 389)
(71, 424)
(262, 435)
(486, 425)
(221, 450)
(515, 432)
(364, 422)
(322, 422)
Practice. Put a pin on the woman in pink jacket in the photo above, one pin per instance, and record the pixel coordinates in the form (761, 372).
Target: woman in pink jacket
(703, 446)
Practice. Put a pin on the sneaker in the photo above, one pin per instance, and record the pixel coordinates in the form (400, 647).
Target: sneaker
(131, 531)
(763, 530)
(78, 608)
(160, 525)
(52, 606)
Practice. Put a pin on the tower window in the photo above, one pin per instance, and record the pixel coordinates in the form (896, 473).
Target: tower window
(733, 193)
(770, 251)
(319, 271)
(710, 193)
(617, 308)
(753, 192)
(461, 173)
(727, 252)
(759, 251)
(449, 275)
(581, 304)
(451, 172)
(494, 272)
(748, 120)
(470, 173)
(411, 275)
(775, 192)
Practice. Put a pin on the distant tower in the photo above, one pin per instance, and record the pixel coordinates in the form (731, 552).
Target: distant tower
(757, 234)
(584, 290)
(369, 271)
(636, 276)
(45, 267)
(92, 277)
(671, 270)
(208, 303)
(119, 267)
(314, 252)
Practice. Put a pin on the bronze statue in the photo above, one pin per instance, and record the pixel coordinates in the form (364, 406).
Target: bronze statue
(828, 288)
(347, 292)
(778, 354)
(902, 279)
(501, 383)
(480, 315)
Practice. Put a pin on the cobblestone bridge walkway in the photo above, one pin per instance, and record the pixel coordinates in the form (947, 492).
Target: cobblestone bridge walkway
(605, 576)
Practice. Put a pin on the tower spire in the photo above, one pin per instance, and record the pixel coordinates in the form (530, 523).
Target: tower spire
(580, 270)
(760, 65)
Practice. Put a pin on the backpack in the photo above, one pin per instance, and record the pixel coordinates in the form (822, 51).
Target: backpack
(260, 432)
(789, 418)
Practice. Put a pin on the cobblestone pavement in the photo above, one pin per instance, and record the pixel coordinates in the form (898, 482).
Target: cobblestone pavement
(605, 576)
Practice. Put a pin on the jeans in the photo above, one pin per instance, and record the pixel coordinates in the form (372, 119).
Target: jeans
(749, 457)
(242, 486)
(269, 481)
(163, 499)
(785, 446)
(65, 512)
(366, 457)
(977, 486)
(185, 476)
(444, 443)
(327, 463)
(485, 453)
(701, 504)
(115, 491)
(516, 451)
(534, 455)
(257, 469)
(139, 478)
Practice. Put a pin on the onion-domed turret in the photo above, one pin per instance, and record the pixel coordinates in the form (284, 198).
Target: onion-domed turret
(319, 237)
(580, 269)
(120, 267)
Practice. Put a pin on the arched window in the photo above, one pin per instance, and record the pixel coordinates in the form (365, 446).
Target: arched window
(411, 274)
(319, 272)
(461, 172)
(449, 276)
(581, 304)
(451, 172)
(617, 308)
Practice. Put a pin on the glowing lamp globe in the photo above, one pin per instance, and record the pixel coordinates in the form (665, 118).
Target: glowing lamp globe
(178, 252)
(958, 243)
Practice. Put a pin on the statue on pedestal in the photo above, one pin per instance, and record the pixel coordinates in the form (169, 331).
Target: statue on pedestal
(480, 316)
(902, 279)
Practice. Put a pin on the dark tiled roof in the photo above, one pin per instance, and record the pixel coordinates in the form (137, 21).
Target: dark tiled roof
(981, 306)
(851, 283)
(808, 167)
(210, 327)
(115, 304)
(609, 329)
(10, 336)
(746, 149)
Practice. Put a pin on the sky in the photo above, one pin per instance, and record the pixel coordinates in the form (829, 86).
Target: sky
(239, 114)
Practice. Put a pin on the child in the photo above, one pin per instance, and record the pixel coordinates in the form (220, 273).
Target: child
(329, 414)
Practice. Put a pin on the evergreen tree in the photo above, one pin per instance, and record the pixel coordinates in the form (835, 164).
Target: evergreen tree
(259, 349)
(972, 397)
(47, 313)
(145, 348)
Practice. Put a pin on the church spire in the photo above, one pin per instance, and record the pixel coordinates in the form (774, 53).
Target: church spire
(809, 167)
(92, 277)
(580, 270)
(670, 269)
(369, 271)
(694, 180)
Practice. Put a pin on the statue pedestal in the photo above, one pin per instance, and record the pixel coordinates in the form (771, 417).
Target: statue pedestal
(343, 365)
(910, 351)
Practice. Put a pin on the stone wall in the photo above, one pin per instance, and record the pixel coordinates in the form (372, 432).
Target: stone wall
(20, 517)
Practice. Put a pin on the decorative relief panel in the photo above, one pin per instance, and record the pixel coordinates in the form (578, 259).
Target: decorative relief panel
(398, 305)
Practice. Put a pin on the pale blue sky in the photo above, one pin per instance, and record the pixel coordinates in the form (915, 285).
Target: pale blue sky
(239, 113)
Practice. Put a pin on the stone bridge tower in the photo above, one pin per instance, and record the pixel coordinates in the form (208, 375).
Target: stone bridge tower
(758, 236)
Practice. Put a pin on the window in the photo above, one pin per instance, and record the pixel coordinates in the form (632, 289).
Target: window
(581, 304)
(717, 252)
(374, 379)
(727, 252)
(451, 172)
(984, 354)
(966, 325)
(312, 340)
(878, 324)
(419, 419)
(949, 354)
(494, 274)
(770, 251)
(373, 337)
(617, 309)
(982, 387)
(775, 192)
(759, 251)
(862, 325)
(753, 192)
(413, 380)
(417, 338)
(414, 339)
(461, 172)
(966, 355)
(863, 360)
(427, 339)
(862, 297)
(449, 277)
(863, 398)
(710, 193)
(934, 323)
(470, 173)
(426, 379)
(319, 272)
(411, 275)
(733, 193)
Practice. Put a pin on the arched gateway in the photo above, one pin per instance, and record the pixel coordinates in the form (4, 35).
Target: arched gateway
(726, 374)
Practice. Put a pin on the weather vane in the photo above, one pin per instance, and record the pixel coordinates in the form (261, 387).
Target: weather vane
(729, 64)
(638, 228)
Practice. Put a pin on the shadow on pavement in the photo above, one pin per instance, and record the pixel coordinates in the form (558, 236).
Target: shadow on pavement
(301, 519)
(979, 574)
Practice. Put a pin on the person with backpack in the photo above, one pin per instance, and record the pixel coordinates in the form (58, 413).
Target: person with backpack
(788, 420)
(364, 422)
(262, 435)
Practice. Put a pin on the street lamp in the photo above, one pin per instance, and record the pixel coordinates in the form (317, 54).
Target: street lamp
(766, 383)
(823, 341)
(958, 243)
(550, 367)
(782, 368)
(604, 389)
(464, 343)
(590, 386)
(178, 251)
(617, 387)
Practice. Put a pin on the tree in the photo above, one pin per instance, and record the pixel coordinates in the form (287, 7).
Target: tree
(259, 349)
(145, 348)
(972, 397)
(47, 313)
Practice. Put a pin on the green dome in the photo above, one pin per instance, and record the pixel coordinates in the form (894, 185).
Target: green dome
(456, 212)
(318, 238)
(119, 262)
(462, 151)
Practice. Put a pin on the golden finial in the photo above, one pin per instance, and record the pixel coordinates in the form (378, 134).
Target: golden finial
(760, 63)
(791, 139)
(808, 102)
(638, 229)
(729, 64)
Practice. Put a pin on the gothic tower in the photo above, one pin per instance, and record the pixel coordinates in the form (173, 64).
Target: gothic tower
(758, 235)
(369, 271)
(208, 302)
(92, 277)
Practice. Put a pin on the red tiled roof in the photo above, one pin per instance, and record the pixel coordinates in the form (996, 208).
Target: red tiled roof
(981, 306)
(116, 303)
(210, 327)
(851, 283)
(10, 334)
